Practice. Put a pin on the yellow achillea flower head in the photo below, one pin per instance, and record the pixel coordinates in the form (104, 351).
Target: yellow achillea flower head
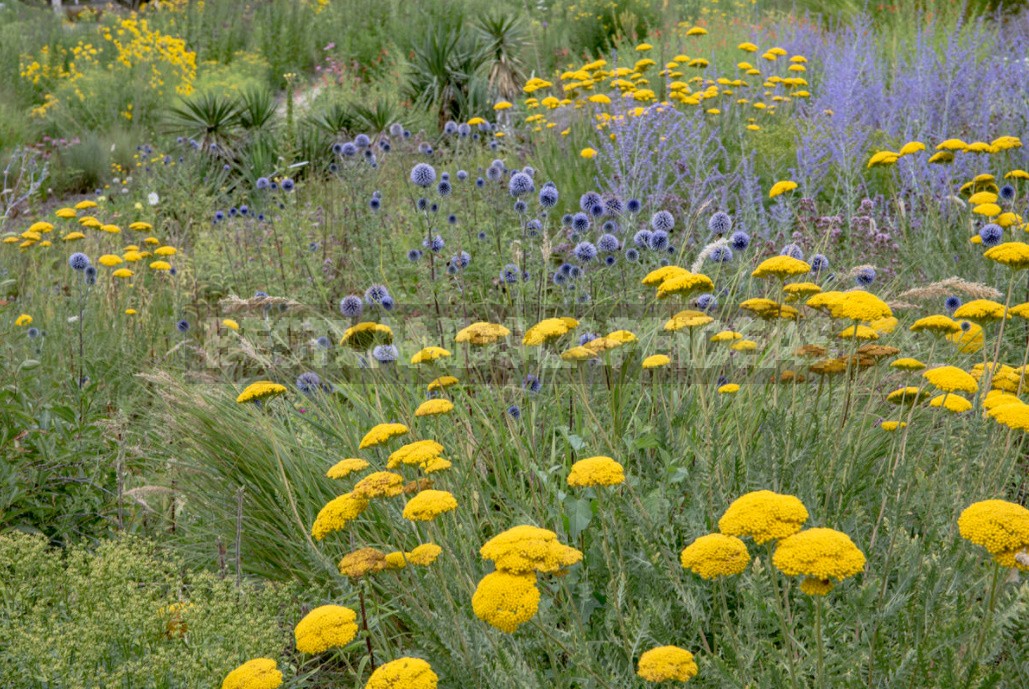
(161, 266)
(424, 554)
(728, 389)
(23, 320)
(937, 324)
(780, 188)
(325, 627)
(907, 395)
(441, 383)
(506, 601)
(403, 673)
(362, 562)
(345, 467)
(1014, 255)
(983, 310)
(65, 213)
(659, 275)
(656, 361)
(228, 322)
(907, 364)
(524, 549)
(801, 289)
(667, 664)
(890, 426)
(781, 267)
(588, 153)
(429, 354)
(429, 504)
(951, 402)
(259, 673)
(260, 390)
(110, 260)
(365, 334)
(140, 226)
(434, 407)
(548, 330)
(951, 379)
(858, 305)
(596, 471)
(820, 555)
(419, 452)
(687, 319)
(482, 333)
(970, 340)
(858, 332)
(764, 516)
(578, 354)
(726, 336)
(336, 514)
(122, 273)
(165, 251)
(743, 346)
(382, 433)
(379, 484)
(1000, 526)
(1013, 413)
(715, 555)
(684, 284)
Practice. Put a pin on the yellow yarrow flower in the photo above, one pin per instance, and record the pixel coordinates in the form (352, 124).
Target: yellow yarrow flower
(596, 471)
(382, 433)
(345, 467)
(764, 516)
(325, 627)
(1000, 526)
(403, 673)
(505, 600)
(259, 673)
(524, 549)
(379, 484)
(820, 555)
(260, 390)
(429, 504)
(715, 555)
(667, 664)
(336, 514)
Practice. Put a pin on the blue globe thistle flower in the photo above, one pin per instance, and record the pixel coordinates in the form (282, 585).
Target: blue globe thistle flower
(566, 220)
(89, 275)
(531, 384)
(520, 207)
(423, 175)
(422, 204)
(348, 149)
(450, 128)
(482, 236)
(396, 130)
(309, 383)
(407, 133)
(451, 269)
(865, 276)
(434, 208)
(707, 302)
(720, 254)
(739, 240)
(952, 303)
(548, 197)
(658, 240)
(78, 261)
(632, 255)
(260, 217)
(219, 216)
(560, 278)
(444, 176)
(244, 210)
(509, 273)
(375, 294)
(337, 148)
(966, 326)
(413, 255)
(585, 252)
(385, 354)
(452, 219)
(520, 184)
(375, 203)
(565, 269)
(462, 175)
(387, 303)
(580, 222)
(444, 188)
(312, 246)
(425, 149)
(590, 199)
(819, 262)
(533, 227)
(671, 249)
(462, 260)
(633, 206)
(613, 206)
(574, 272)
(33, 333)
(597, 211)
(435, 245)
(260, 295)
(288, 185)
(610, 260)
(464, 130)
(494, 173)
(792, 250)
(587, 337)
(529, 170)
(514, 412)
(323, 342)
(664, 262)
(991, 234)
(663, 221)
(642, 238)
(1007, 192)
(351, 306)
(362, 141)
(480, 182)
(719, 223)
(233, 212)
(182, 326)
(608, 243)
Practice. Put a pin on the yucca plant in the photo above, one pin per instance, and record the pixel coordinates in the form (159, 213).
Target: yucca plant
(336, 120)
(208, 118)
(444, 71)
(504, 36)
(256, 110)
(377, 116)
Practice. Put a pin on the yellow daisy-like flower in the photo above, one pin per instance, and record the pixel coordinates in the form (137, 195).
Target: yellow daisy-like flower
(1000, 526)
(23, 320)
(362, 562)
(424, 555)
(687, 319)
(336, 514)
(858, 305)
(123, 273)
(1014, 255)
(403, 673)
(429, 504)
(345, 467)
(578, 354)
(982, 310)
(683, 284)
(506, 601)
(667, 664)
(715, 555)
(524, 549)
(165, 251)
(429, 354)
(969, 339)
(656, 361)
(502, 105)
(72, 236)
(160, 266)
(951, 402)
(434, 407)
(260, 390)
(548, 330)
(325, 627)
(110, 260)
(379, 484)
(140, 226)
(780, 188)
(230, 324)
(951, 379)
(65, 213)
(588, 153)
(382, 433)
(659, 275)
(259, 673)
(907, 364)
(781, 267)
(937, 324)
(764, 516)
(110, 229)
(744, 346)
(987, 209)
(801, 289)
(820, 555)
(907, 395)
(596, 471)
(418, 453)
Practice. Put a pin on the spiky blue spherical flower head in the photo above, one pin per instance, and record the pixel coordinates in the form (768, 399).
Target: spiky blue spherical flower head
(78, 261)
(707, 302)
(662, 221)
(633, 206)
(351, 306)
(385, 354)
(632, 255)
(819, 262)
(585, 252)
(423, 175)
(721, 254)
(444, 188)
(991, 234)
(739, 240)
(375, 294)
(520, 184)
(309, 383)
(658, 240)
(362, 141)
(548, 197)
(509, 273)
(952, 303)
(719, 223)
(288, 185)
(642, 239)
(608, 243)
(793, 251)
(580, 222)
(865, 276)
